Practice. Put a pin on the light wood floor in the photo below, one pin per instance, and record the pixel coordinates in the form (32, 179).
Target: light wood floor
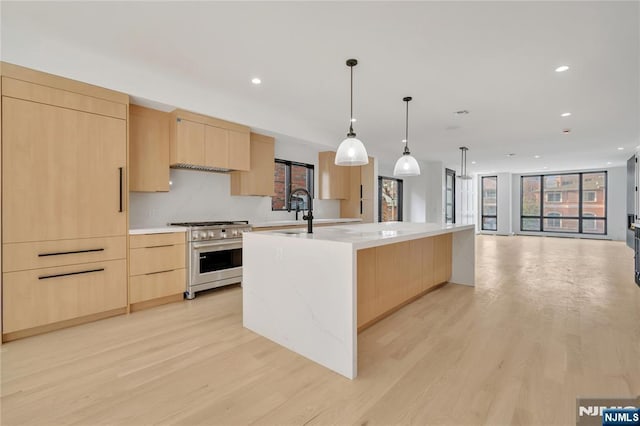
(549, 319)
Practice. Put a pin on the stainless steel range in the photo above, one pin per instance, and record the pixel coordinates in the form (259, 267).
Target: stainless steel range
(214, 250)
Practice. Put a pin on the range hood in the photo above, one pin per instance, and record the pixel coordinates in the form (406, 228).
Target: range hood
(200, 168)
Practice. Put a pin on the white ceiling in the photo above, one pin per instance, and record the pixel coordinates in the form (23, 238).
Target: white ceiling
(495, 59)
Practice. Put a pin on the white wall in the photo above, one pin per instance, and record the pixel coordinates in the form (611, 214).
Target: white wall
(466, 201)
(198, 195)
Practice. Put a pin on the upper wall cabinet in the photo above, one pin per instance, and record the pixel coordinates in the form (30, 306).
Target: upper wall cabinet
(259, 180)
(334, 180)
(208, 143)
(148, 149)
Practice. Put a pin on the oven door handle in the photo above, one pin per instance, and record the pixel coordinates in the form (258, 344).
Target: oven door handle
(217, 246)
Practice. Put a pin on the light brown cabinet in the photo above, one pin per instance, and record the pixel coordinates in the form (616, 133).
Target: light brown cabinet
(39, 297)
(64, 198)
(208, 143)
(259, 180)
(334, 180)
(393, 275)
(149, 131)
(157, 269)
(360, 203)
(63, 173)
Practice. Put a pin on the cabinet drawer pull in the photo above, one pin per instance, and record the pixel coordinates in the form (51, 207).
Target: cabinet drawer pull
(164, 245)
(160, 272)
(46, 277)
(58, 253)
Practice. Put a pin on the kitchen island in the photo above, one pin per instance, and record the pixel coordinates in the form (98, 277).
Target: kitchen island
(312, 293)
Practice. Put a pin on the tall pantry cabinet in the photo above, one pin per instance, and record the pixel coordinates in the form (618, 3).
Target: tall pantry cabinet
(64, 202)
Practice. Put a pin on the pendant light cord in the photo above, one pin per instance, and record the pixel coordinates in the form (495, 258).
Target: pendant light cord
(351, 120)
(406, 130)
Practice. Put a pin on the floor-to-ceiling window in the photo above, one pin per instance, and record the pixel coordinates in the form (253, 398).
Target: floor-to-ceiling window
(450, 196)
(489, 201)
(389, 199)
(568, 203)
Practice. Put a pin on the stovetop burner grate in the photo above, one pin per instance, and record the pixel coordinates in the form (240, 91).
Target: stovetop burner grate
(219, 223)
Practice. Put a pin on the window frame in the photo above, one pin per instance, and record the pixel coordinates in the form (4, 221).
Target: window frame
(452, 173)
(400, 197)
(482, 215)
(580, 217)
(287, 181)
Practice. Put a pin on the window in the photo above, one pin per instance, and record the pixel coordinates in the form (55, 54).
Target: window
(583, 197)
(389, 199)
(489, 203)
(589, 225)
(288, 176)
(450, 197)
(554, 197)
(553, 223)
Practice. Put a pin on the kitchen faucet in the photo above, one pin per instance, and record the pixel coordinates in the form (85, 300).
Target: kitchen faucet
(298, 201)
(309, 216)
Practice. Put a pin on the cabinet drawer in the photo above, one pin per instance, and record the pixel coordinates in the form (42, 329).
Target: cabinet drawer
(44, 296)
(154, 240)
(155, 285)
(155, 259)
(46, 254)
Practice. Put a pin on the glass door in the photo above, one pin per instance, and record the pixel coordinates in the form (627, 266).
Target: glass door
(389, 199)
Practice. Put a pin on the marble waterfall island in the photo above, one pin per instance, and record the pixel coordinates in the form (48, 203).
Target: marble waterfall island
(311, 293)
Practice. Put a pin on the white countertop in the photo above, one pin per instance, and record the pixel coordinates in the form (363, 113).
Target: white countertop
(367, 235)
(274, 223)
(162, 230)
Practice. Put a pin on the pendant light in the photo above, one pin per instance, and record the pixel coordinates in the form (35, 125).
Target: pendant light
(406, 165)
(463, 164)
(351, 151)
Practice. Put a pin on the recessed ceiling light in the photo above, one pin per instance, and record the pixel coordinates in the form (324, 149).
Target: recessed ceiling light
(256, 80)
(620, 148)
(353, 120)
(404, 141)
(511, 154)
(461, 112)
(473, 162)
(545, 167)
(566, 131)
(536, 156)
(608, 162)
(565, 114)
(562, 68)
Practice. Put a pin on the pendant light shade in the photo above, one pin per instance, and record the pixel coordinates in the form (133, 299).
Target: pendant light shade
(463, 164)
(351, 151)
(406, 165)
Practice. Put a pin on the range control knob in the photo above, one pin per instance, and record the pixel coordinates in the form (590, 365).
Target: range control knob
(212, 234)
(234, 233)
(195, 235)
